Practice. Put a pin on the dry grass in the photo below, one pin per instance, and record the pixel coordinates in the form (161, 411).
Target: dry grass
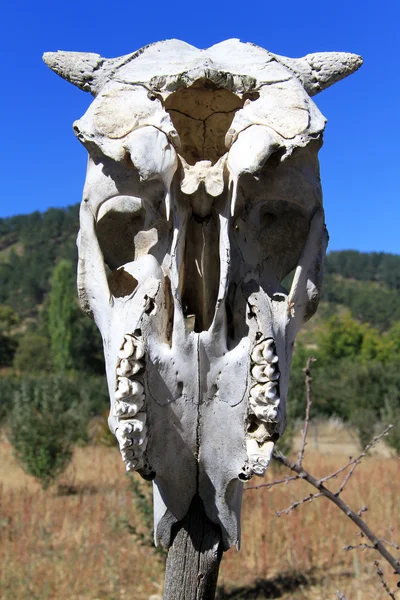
(77, 546)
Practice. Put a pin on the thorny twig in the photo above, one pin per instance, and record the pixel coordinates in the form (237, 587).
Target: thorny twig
(308, 498)
(301, 473)
(336, 499)
(272, 483)
(307, 371)
(384, 584)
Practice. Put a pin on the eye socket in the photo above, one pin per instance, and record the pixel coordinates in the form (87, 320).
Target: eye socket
(282, 232)
(118, 222)
(267, 219)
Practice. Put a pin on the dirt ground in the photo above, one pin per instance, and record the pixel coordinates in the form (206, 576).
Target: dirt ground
(77, 540)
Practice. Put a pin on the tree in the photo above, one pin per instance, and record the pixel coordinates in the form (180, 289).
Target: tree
(40, 428)
(33, 353)
(342, 338)
(8, 318)
(61, 316)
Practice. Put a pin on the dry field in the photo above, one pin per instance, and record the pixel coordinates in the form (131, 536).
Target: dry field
(72, 542)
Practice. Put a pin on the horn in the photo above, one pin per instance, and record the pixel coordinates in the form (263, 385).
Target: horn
(320, 70)
(76, 67)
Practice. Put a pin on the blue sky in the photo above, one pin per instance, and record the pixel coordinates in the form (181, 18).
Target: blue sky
(44, 165)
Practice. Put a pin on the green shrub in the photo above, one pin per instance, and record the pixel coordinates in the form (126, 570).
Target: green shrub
(40, 429)
(391, 415)
(48, 415)
(33, 353)
(8, 385)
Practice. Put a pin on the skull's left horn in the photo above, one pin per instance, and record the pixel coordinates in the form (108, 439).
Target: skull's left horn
(78, 68)
(321, 70)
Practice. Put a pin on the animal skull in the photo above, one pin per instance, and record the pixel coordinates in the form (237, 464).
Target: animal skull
(202, 194)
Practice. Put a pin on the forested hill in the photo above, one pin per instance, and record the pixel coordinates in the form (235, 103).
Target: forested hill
(31, 245)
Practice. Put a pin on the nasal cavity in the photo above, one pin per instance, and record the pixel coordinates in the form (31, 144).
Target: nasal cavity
(202, 115)
(200, 273)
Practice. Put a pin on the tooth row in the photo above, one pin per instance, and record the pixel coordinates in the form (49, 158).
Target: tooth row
(264, 403)
(131, 431)
(264, 395)
(132, 440)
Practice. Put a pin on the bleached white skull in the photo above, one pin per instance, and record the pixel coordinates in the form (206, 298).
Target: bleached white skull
(202, 194)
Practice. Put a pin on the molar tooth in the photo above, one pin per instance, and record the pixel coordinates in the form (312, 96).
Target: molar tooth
(264, 393)
(131, 347)
(123, 440)
(132, 432)
(251, 446)
(126, 388)
(258, 373)
(138, 352)
(128, 409)
(257, 354)
(126, 349)
(270, 355)
(266, 412)
(140, 442)
(132, 465)
(125, 427)
(139, 423)
(127, 454)
(259, 456)
(271, 393)
(262, 351)
(127, 367)
(272, 414)
(271, 372)
(264, 373)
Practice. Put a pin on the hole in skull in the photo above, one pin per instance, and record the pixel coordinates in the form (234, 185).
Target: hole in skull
(169, 308)
(245, 475)
(116, 233)
(150, 305)
(202, 115)
(121, 283)
(282, 230)
(200, 273)
(287, 281)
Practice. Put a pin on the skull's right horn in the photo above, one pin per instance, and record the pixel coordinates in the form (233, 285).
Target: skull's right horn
(321, 70)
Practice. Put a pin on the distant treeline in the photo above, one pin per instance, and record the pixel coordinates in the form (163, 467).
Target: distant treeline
(31, 245)
(378, 267)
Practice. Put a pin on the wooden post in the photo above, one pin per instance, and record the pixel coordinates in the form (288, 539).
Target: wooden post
(194, 557)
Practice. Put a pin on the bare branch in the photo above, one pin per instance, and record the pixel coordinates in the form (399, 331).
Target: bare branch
(293, 506)
(307, 371)
(384, 583)
(359, 547)
(337, 500)
(270, 484)
(354, 462)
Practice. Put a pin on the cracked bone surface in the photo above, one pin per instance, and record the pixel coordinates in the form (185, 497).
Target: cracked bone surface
(202, 195)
